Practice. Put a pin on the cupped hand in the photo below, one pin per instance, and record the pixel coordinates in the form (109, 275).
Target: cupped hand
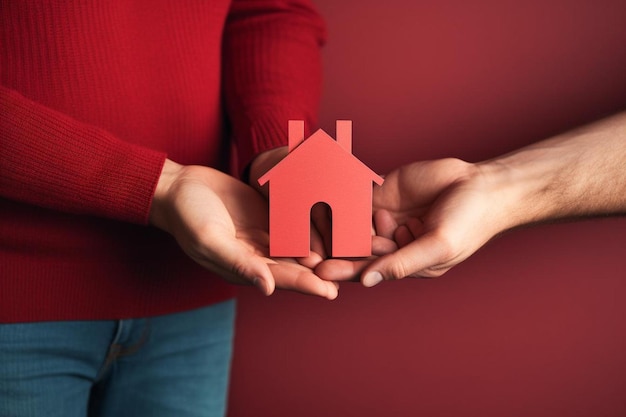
(221, 223)
(437, 212)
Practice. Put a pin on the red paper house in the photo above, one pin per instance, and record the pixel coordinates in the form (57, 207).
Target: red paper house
(320, 169)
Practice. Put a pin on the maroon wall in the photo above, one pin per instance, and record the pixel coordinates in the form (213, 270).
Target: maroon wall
(534, 324)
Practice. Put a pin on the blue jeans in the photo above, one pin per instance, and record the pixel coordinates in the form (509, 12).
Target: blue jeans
(173, 365)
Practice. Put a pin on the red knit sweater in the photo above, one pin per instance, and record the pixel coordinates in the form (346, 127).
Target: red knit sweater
(94, 96)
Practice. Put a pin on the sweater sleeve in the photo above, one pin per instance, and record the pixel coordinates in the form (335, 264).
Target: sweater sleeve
(272, 72)
(50, 160)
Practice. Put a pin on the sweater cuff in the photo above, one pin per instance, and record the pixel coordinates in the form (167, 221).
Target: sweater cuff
(137, 178)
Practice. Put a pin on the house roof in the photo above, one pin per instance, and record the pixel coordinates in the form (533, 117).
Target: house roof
(315, 153)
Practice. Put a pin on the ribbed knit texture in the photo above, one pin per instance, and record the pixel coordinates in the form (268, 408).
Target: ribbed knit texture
(291, 67)
(94, 96)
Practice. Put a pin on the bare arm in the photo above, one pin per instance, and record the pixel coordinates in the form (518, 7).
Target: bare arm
(579, 173)
(440, 212)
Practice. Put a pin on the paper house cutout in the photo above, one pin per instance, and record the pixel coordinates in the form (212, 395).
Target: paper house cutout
(320, 169)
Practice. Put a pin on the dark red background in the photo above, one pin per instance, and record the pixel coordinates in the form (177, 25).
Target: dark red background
(534, 324)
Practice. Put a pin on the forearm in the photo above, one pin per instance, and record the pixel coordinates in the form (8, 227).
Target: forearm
(271, 71)
(50, 160)
(576, 174)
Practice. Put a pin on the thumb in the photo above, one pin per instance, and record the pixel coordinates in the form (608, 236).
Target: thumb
(411, 260)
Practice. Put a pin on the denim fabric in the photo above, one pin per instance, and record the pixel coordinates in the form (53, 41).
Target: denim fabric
(175, 365)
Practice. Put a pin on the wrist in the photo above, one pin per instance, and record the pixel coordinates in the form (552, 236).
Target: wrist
(531, 184)
(170, 172)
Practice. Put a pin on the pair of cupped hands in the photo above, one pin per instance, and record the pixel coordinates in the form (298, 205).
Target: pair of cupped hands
(427, 217)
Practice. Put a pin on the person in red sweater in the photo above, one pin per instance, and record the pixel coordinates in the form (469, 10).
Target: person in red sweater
(118, 123)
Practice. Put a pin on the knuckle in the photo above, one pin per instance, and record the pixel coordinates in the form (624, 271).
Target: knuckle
(398, 270)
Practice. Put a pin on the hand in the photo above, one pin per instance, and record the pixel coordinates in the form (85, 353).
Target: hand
(221, 223)
(440, 212)
(437, 212)
(320, 216)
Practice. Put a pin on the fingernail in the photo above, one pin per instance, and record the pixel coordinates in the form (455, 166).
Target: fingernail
(372, 278)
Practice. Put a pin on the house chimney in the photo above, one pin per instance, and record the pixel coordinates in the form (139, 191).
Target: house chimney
(296, 133)
(344, 134)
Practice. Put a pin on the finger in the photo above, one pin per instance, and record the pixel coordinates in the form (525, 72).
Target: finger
(422, 257)
(384, 224)
(318, 252)
(236, 263)
(403, 236)
(382, 246)
(415, 226)
(341, 269)
(294, 277)
(310, 261)
(317, 239)
(321, 219)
